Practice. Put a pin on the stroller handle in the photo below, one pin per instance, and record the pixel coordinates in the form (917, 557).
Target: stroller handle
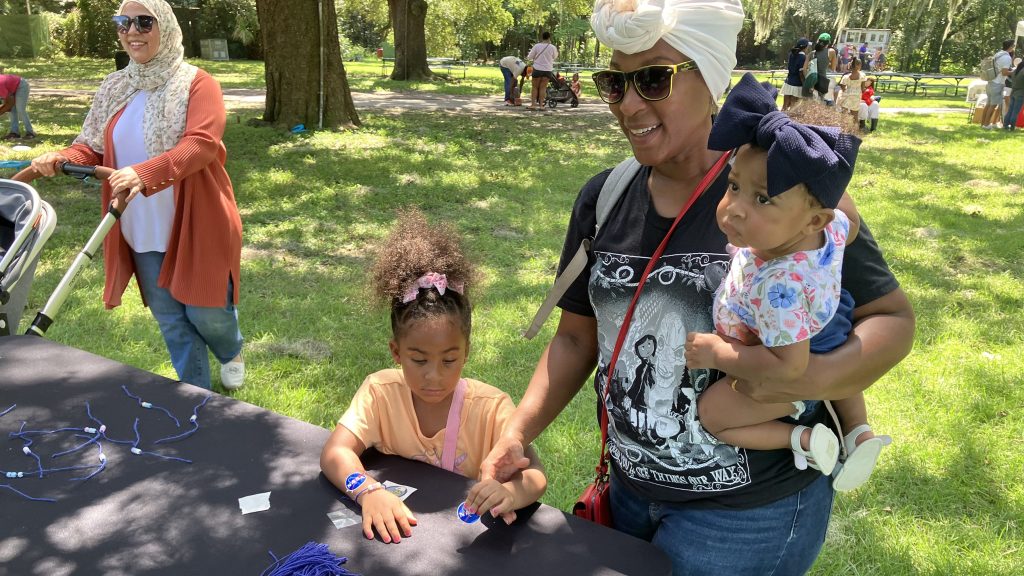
(83, 171)
(79, 171)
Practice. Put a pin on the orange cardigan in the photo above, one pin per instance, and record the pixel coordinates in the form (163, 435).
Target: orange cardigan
(205, 246)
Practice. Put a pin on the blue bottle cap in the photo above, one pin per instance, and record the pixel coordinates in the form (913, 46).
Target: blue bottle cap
(466, 516)
(354, 480)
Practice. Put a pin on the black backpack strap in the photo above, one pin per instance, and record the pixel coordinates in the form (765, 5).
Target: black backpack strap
(609, 196)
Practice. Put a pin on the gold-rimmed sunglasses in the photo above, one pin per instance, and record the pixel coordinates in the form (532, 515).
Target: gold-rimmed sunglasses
(652, 83)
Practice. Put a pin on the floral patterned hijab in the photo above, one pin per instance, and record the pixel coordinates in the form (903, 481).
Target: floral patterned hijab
(167, 78)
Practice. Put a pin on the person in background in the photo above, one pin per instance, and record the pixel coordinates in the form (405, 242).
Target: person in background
(878, 60)
(14, 92)
(793, 87)
(862, 52)
(575, 84)
(824, 58)
(159, 123)
(852, 85)
(543, 55)
(713, 509)
(869, 107)
(1003, 62)
(512, 68)
(844, 58)
(1016, 97)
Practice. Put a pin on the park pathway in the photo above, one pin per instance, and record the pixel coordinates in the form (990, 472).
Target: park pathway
(398, 102)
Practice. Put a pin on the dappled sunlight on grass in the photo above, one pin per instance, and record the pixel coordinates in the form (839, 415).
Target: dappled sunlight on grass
(943, 198)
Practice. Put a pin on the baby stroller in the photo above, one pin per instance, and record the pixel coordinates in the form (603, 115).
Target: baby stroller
(26, 223)
(560, 92)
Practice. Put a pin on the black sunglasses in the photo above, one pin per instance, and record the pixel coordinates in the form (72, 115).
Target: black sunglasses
(143, 24)
(652, 83)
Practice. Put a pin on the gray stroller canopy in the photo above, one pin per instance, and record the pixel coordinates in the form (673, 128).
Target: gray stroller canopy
(15, 215)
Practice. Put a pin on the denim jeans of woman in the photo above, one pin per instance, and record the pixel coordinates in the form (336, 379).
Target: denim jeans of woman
(509, 81)
(1016, 103)
(19, 111)
(782, 538)
(189, 331)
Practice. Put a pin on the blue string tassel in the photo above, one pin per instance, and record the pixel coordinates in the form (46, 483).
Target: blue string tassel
(4, 413)
(311, 560)
(195, 424)
(148, 405)
(26, 496)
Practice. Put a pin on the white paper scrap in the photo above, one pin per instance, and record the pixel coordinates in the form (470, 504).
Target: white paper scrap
(255, 503)
(343, 518)
(400, 490)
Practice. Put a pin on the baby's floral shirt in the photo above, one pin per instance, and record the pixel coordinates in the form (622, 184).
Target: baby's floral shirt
(784, 300)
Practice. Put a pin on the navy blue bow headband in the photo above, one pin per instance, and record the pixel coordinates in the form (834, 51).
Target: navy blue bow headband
(819, 156)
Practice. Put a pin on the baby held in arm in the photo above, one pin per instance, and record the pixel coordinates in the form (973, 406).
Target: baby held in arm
(787, 214)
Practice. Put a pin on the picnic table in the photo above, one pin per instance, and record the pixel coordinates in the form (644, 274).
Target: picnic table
(906, 82)
(573, 67)
(449, 64)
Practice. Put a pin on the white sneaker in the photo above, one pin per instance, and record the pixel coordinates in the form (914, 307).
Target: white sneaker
(988, 126)
(232, 375)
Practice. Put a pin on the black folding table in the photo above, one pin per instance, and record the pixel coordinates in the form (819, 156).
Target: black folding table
(146, 515)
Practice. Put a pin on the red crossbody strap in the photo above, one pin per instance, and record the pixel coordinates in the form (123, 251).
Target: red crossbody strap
(710, 177)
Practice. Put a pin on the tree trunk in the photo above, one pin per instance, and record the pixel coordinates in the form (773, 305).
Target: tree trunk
(292, 55)
(408, 21)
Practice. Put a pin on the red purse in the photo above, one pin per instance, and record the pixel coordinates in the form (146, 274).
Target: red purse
(595, 503)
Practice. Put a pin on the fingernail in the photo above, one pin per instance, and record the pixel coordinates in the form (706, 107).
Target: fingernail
(494, 511)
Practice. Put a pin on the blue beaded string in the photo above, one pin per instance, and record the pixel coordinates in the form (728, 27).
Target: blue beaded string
(23, 495)
(313, 559)
(92, 435)
(138, 451)
(102, 466)
(148, 405)
(194, 420)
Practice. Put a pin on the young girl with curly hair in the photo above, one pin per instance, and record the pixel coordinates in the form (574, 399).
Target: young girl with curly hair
(424, 409)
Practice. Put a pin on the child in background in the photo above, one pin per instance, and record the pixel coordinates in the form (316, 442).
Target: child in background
(415, 410)
(782, 299)
(14, 93)
(868, 108)
(575, 84)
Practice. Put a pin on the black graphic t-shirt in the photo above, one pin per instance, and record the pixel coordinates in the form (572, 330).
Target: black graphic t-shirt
(656, 442)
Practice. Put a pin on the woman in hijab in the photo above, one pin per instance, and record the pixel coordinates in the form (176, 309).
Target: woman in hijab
(159, 123)
(712, 508)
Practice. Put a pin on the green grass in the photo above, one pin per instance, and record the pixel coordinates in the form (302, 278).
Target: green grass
(944, 199)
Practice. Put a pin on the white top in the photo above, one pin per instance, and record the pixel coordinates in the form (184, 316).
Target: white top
(1002, 60)
(543, 55)
(513, 63)
(146, 222)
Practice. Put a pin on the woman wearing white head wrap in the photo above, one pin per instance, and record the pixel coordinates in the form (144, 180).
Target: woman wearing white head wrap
(712, 508)
(159, 122)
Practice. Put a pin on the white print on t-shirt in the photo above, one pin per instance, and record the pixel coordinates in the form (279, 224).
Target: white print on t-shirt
(654, 434)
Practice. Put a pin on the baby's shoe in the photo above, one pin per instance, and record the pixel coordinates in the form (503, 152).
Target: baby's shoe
(860, 459)
(823, 449)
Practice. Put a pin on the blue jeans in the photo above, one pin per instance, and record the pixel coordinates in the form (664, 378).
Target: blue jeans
(778, 539)
(19, 111)
(189, 330)
(1016, 103)
(509, 82)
